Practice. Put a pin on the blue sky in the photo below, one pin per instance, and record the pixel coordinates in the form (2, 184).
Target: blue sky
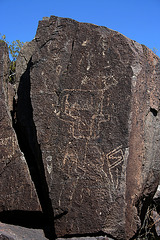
(136, 19)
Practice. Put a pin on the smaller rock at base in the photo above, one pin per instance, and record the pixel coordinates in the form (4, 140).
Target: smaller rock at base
(10, 232)
(87, 238)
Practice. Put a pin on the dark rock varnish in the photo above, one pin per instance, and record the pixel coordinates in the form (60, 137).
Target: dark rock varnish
(17, 191)
(88, 106)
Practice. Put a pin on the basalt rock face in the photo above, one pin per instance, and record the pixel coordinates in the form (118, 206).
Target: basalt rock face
(88, 118)
(17, 191)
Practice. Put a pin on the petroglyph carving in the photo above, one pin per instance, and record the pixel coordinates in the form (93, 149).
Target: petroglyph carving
(70, 161)
(85, 43)
(109, 81)
(58, 69)
(83, 109)
(114, 160)
(49, 164)
(86, 79)
(73, 172)
(9, 141)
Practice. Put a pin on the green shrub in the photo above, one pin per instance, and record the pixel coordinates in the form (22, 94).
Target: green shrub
(14, 49)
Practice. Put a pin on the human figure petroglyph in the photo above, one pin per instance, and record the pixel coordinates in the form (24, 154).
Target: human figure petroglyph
(73, 171)
(97, 166)
(108, 165)
(83, 109)
(70, 161)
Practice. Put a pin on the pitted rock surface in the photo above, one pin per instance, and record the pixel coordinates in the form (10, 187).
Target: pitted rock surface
(17, 191)
(94, 97)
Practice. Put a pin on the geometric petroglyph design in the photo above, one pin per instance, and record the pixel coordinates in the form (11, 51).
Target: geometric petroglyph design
(114, 162)
(115, 157)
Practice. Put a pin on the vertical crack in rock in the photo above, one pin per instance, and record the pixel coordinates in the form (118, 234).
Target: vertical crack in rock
(71, 54)
(19, 202)
(27, 138)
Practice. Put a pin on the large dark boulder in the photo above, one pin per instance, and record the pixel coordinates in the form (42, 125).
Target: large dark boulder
(17, 191)
(88, 106)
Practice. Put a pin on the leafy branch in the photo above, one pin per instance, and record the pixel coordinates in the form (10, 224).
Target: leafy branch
(155, 50)
(14, 49)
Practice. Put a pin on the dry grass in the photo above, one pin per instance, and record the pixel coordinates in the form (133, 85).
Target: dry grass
(148, 230)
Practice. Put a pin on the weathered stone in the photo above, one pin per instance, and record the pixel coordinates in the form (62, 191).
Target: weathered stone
(157, 194)
(87, 238)
(10, 232)
(156, 220)
(93, 97)
(17, 191)
(10, 97)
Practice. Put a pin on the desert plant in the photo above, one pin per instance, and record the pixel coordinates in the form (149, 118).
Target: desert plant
(14, 49)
